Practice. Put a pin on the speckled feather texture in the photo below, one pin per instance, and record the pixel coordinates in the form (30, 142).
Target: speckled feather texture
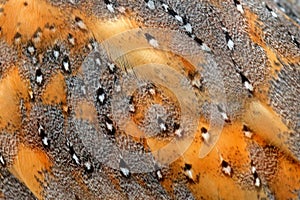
(149, 99)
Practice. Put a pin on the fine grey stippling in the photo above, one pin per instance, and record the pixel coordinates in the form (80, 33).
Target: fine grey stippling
(183, 21)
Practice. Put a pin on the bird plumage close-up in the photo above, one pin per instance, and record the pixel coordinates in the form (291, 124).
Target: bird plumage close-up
(149, 99)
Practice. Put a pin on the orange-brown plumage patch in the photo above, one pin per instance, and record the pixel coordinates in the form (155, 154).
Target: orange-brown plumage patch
(27, 167)
(267, 124)
(288, 176)
(55, 92)
(12, 90)
(30, 17)
(38, 17)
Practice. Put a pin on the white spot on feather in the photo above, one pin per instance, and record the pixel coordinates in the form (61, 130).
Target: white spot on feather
(131, 108)
(2, 160)
(224, 116)
(110, 7)
(257, 182)
(162, 127)
(227, 170)
(101, 98)
(45, 141)
(204, 47)
(125, 171)
(151, 5)
(31, 50)
(248, 86)
(66, 66)
(109, 126)
(190, 174)
(179, 18)
(230, 44)
(165, 6)
(159, 174)
(76, 159)
(274, 14)
(188, 28)
(39, 79)
(81, 25)
(153, 42)
(248, 134)
(179, 132)
(30, 92)
(205, 136)
(98, 61)
(240, 8)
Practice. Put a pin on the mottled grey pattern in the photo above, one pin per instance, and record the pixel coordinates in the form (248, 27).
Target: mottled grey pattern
(94, 143)
(12, 188)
